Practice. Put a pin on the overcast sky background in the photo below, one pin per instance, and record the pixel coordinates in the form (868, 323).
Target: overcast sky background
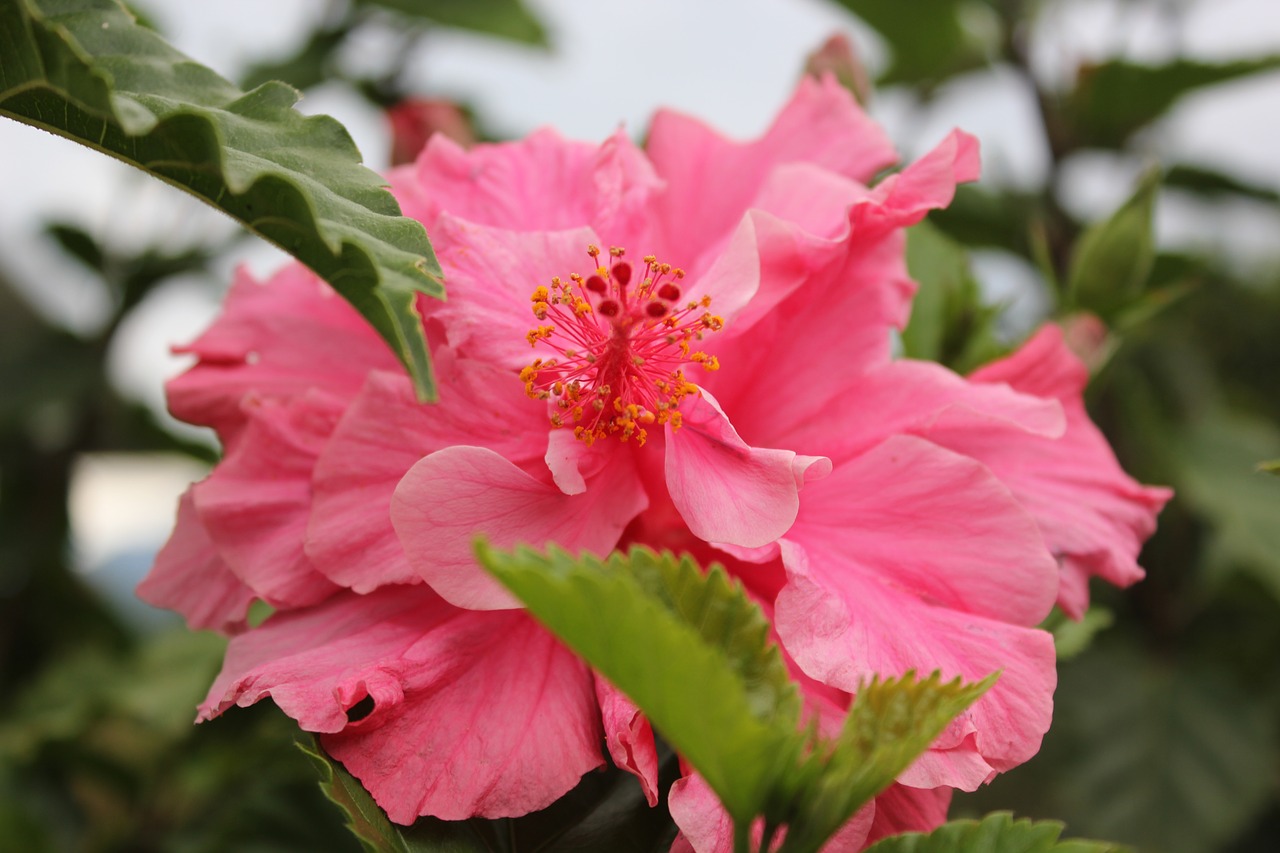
(731, 62)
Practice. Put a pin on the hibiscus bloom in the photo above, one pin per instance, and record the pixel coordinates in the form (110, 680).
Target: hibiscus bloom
(686, 347)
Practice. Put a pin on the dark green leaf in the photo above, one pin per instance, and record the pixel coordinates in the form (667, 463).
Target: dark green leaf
(1175, 759)
(949, 322)
(85, 70)
(937, 39)
(1205, 181)
(1218, 476)
(365, 819)
(509, 19)
(1113, 259)
(996, 833)
(1114, 99)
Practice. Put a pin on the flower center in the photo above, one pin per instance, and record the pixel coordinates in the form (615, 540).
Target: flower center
(620, 347)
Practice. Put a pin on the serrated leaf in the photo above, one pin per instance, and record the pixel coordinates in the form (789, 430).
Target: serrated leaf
(890, 723)
(365, 819)
(85, 70)
(694, 653)
(1113, 259)
(995, 833)
(1114, 99)
(690, 649)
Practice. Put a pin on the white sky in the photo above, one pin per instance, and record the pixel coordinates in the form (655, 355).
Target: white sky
(732, 62)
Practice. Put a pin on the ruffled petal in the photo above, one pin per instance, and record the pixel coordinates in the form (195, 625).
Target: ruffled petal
(713, 180)
(541, 183)
(916, 397)
(1092, 514)
(473, 713)
(275, 339)
(383, 433)
(190, 577)
(455, 495)
(930, 523)
(256, 503)
(491, 273)
(705, 827)
(629, 737)
(900, 809)
(726, 490)
(845, 630)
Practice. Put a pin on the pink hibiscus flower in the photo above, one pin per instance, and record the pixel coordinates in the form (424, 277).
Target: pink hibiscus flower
(742, 406)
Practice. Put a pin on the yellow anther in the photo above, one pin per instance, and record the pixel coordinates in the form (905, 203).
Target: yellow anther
(540, 294)
(540, 310)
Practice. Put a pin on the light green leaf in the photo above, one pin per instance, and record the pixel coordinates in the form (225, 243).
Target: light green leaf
(364, 817)
(996, 833)
(890, 723)
(85, 70)
(694, 653)
(1070, 637)
(690, 649)
(1114, 99)
(1113, 259)
(1271, 466)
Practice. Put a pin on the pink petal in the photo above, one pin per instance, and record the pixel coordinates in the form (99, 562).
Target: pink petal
(190, 577)
(705, 827)
(727, 491)
(541, 183)
(917, 397)
(930, 523)
(383, 433)
(844, 630)
(255, 504)
(927, 184)
(491, 273)
(473, 713)
(902, 809)
(275, 339)
(455, 495)
(629, 737)
(1091, 513)
(712, 180)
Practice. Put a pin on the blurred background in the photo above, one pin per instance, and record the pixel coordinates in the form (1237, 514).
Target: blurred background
(1131, 191)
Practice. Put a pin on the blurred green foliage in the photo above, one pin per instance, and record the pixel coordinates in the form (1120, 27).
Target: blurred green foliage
(1167, 725)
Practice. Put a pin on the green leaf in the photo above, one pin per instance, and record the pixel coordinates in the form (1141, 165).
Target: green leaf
(1113, 259)
(1114, 99)
(1177, 759)
(890, 723)
(950, 323)
(1218, 476)
(85, 70)
(1071, 637)
(1271, 466)
(690, 649)
(1198, 179)
(955, 37)
(996, 833)
(509, 19)
(365, 819)
(694, 653)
